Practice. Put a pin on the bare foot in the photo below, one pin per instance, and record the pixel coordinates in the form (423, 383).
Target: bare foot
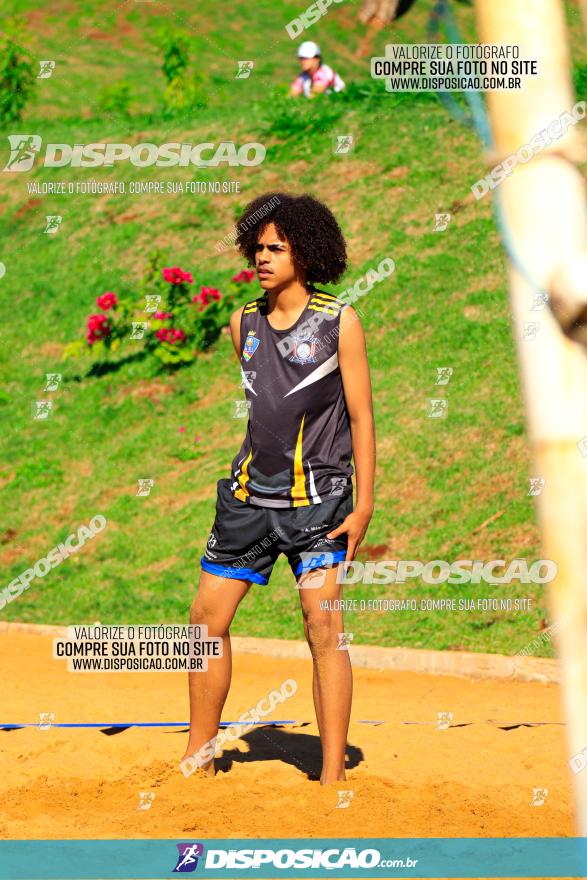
(205, 772)
(189, 765)
(332, 778)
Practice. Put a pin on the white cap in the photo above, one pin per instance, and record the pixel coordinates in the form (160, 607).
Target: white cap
(308, 50)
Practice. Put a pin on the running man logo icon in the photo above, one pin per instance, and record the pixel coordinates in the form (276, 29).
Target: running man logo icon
(53, 224)
(530, 330)
(138, 329)
(337, 485)
(23, 149)
(441, 222)
(47, 68)
(242, 409)
(244, 69)
(538, 797)
(146, 800)
(187, 860)
(145, 487)
(438, 408)
(344, 641)
(536, 485)
(344, 144)
(46, 719)
(444, 719)
(152, 300)
(247, 378)
(578, 762)
(443, 375)
(344, 799)
(41, 409)
(539, 300)
(313, 574)
(53, 380)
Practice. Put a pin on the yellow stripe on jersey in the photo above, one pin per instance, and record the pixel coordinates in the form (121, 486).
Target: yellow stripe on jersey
(253, 305)
(326, 309)
(298, 491)
(243, 479)
(325, 302)
(328, 296)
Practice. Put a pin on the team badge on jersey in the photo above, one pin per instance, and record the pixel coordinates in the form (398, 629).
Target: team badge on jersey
(304, 350)
(251, 345)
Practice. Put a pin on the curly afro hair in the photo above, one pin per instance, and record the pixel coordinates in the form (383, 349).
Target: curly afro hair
(314, 236)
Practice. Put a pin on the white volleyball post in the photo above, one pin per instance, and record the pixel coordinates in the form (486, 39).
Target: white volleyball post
(544, 207)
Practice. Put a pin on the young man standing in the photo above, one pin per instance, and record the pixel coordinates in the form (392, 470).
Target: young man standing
(306, 378)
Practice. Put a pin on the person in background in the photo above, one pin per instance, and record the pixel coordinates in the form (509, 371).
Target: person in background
(315, 77)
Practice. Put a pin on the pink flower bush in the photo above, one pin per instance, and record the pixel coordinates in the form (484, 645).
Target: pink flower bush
(170, 335)
(206, 296)
(175, 275)
(202, 313)
(107, 300)
(246, 275)
(98, 328)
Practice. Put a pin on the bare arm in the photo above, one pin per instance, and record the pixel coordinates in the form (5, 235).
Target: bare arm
(296, 87)
(354, 370)
(235, 331)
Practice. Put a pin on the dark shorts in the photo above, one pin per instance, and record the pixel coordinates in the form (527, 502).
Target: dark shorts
(246, 540)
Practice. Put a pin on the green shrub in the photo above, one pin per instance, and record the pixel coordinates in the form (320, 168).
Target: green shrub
(184, 91)
(115, 98)
(580, 80)
(175, 58)
(17, 77)
(38, 474)
(289, 116)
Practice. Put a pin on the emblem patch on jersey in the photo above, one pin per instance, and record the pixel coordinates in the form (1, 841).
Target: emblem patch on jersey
(251, 345)
(304, 350)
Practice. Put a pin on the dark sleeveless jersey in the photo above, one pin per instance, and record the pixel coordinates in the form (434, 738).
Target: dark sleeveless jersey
(297, 449)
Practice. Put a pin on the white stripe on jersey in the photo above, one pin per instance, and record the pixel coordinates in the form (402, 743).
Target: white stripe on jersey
(312, 485)
(319, 373)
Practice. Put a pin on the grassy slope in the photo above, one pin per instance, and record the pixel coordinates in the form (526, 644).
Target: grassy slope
(446, 305)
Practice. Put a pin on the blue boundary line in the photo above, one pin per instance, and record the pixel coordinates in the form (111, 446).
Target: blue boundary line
(140, 724)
